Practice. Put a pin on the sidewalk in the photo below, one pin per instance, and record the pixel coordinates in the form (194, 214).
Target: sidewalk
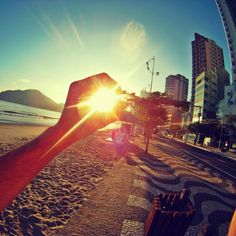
(120, 203)
(104, 212)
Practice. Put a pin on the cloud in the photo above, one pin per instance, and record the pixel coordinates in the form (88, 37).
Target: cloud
(40, 22)
(74, 30)
(54, 30)
(133, 37)
(47, 24)
(130, 41)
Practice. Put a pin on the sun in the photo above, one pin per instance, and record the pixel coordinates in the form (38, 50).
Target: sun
(104, 100)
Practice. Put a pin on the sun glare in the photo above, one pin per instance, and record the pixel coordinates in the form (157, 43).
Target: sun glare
(103, 100)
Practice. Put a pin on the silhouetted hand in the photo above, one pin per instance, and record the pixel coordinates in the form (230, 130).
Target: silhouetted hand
(77, 119)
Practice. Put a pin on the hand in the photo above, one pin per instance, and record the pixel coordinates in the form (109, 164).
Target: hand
(77, 120)
(21, 165)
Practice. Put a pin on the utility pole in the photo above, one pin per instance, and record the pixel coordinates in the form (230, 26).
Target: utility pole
(148, 125)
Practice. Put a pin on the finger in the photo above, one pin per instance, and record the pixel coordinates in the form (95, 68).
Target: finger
(93, 82)
(106, 80)
(84, 88)
(79, 88)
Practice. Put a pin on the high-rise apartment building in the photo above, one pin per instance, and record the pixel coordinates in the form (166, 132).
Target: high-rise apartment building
(209, 90)
(206, 56)
(177, 87)
(227, 9)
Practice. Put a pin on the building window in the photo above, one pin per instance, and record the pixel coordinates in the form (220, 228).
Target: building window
(200, 88)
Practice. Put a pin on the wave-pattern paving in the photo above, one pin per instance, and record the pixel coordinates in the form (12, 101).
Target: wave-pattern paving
(189, 182)
(212, 196)
(211, 175)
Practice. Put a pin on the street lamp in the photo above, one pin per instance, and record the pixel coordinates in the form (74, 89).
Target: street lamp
(152, 71)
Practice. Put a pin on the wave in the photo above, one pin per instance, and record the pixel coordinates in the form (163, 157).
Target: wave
(23, 114)
(20, 114)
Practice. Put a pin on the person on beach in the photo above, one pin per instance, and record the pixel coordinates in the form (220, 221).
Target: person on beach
(120, 140)
(20, 166)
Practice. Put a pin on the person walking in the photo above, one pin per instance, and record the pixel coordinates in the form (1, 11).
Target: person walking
(121, 141)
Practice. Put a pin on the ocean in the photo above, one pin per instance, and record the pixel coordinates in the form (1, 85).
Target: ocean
(12, 113)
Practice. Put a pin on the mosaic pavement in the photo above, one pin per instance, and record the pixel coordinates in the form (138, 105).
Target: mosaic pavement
(213, 195)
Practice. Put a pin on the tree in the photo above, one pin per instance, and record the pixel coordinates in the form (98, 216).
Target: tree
(203, 130)
(154, 107)
(149, 108)
(208, 130)
(151, 111)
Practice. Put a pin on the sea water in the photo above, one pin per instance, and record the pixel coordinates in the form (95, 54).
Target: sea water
(20, 114)
(12, 113)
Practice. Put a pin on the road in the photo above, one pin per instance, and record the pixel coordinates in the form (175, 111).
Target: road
(217, 162)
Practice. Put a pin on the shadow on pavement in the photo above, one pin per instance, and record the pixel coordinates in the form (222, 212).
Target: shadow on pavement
(213, 197)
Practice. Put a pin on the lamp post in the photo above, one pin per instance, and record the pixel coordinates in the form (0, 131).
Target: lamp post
(152, 71)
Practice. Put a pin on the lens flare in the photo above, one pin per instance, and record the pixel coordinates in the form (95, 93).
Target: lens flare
(104, 100)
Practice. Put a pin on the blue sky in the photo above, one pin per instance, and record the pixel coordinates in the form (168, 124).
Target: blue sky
(48, 44)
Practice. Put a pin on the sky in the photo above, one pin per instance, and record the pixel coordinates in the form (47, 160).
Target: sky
(46, 45)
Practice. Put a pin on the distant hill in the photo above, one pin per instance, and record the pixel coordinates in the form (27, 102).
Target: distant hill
(31, 97)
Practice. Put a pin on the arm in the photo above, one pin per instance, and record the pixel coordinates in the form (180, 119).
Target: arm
(19, 167)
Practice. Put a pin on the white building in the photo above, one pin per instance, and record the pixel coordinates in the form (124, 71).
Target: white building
(227, 9)
(227, 106)
(177, 87)
(144, 94)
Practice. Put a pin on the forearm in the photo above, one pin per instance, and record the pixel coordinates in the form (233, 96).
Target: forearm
(78, 120)
(20, 166)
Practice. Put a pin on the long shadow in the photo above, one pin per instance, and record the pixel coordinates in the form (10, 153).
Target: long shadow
(222, 211)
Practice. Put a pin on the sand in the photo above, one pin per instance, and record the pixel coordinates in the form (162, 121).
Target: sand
(60, 189)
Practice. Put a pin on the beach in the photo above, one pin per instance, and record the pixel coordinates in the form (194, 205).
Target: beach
(60, 189)
(84, 191)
